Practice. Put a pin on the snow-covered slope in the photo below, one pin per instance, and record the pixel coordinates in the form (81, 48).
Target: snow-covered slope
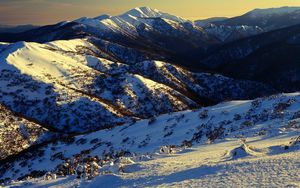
(270, 58)
(139, 21)
(231, 33)
(201, 166)
(267, 19)
(149, 20)
(44, 84)
(129, 22)
(206, 166)
(18, 133)
(63, 74)
(261, 119)
(61, 86)
(273, 11)
(252, 23)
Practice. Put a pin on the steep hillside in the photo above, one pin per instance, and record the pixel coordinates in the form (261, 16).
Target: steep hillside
(227, 34)
(18, 133)
(267, 19)
(270, 58)
(265, 163)
(37, 82)
(60, 85)
(250, 24)
(262, 118)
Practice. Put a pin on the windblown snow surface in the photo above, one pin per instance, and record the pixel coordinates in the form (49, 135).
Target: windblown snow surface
(233, 144)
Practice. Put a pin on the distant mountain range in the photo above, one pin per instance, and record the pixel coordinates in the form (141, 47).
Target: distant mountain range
(149, 34)
(267, 19)
(16, 29)
(270, 58)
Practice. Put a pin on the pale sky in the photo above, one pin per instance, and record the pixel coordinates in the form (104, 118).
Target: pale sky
(42, 12)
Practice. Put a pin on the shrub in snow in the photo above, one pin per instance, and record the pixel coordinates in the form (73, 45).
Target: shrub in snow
(224, 112)
(203, 114)
(255, 104)
(187, 144)
(246, 124)
(151, 121)
(215, 134)
(81, 141)
(58, 155)
(296, 115)
(94, 141)
(168, 134)
(171, 149)
(280, 108)
(292, 125)
(123, 153)
(237, 117)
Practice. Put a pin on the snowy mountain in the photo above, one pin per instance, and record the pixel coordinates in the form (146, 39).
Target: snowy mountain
(274, 54)
(147, 34)
(151, 97)
(267, 19)
(274, 117)
(143, 33)
(227, 33)
(267, 13)
(231, 33)
(64, 85)
(129, 21)
(39, 83)
(250, 24)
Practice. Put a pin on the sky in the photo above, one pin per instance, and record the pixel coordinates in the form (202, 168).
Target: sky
(42, 12)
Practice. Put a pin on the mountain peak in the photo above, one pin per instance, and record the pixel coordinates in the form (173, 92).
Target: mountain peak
(147, 12)
(143, 12)
(146, 9)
